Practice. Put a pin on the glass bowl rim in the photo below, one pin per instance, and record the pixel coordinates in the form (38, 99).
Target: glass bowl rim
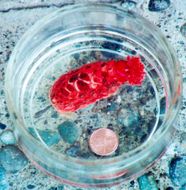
(126, 157)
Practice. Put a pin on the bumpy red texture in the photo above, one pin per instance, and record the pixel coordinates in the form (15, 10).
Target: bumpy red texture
(94, 81)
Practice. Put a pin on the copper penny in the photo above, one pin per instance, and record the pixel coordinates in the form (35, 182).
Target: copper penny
(103, 142)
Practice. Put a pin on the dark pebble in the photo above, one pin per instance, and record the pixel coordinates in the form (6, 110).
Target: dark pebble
(129, 51)
(111, 46)
(177, 170)
(84, 155)
(60, 187)
(30, 186)
(132, 183)
(169, 188)
(90, 130)
(7, 115)
(52, 188)
(158, 5)
(155, 111)
(143, 138)
(54, 115)
(109, 55)
(41, 98)
(76, 55)
(68, 132)
(11, 184)
(41, 112)
(73, 151)
(143, 100)
(2, 126)
(151, 90)
(162, 105)
(129, 89)
(163, 175)
(110, 126)
(183, 29)
(12, 159)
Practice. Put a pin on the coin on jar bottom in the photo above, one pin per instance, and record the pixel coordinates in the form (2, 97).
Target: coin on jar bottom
(103, 142)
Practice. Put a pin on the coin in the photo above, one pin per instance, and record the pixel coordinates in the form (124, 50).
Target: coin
(103, 142)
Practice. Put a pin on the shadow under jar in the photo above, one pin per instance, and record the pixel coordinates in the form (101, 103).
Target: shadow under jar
(141, 116)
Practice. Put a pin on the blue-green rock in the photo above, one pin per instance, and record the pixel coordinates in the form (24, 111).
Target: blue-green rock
(48, 136)
(112, 107)
(4, 186)
(183, 187)
(147, 183)
(2, 173)
(158, 5)
(68, 132)
(12, 159)
(177, 171)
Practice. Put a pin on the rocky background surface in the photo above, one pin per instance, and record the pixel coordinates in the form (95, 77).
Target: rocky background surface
(16, 172)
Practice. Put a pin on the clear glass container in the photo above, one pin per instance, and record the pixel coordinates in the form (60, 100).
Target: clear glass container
(142, 116)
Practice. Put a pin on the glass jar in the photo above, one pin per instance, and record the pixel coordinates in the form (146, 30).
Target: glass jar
(66, 39)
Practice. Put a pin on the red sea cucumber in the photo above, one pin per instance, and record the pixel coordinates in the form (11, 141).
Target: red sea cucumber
(94, 81)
